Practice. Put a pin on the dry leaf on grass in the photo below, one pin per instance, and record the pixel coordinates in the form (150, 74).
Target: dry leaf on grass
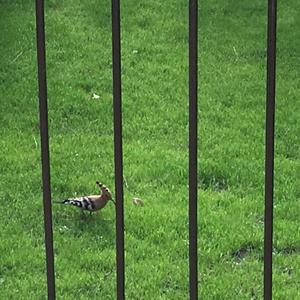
(137, 201)
(95, 96)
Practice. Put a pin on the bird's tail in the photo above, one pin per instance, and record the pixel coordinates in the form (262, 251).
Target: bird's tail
(75, 202)
(59, 202)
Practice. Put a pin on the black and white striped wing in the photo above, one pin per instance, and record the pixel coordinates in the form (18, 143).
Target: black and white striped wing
(84, 203)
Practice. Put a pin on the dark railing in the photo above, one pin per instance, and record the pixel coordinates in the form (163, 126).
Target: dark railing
(117, 95)
(117, 104)
(41, 57)
(269, 160)
(193, 124)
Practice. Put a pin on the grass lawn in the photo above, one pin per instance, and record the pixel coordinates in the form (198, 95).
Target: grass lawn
(232, 75)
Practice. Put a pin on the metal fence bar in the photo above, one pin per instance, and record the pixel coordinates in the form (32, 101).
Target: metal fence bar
(117, 103)
(193, 99)
(269, 159)
(41, 58)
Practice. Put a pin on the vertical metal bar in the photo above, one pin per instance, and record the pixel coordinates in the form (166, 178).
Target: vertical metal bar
(269, 159)
(193, 112)
(41, 58)
(117, 103)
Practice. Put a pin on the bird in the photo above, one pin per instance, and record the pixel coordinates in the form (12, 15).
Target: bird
(91, 203)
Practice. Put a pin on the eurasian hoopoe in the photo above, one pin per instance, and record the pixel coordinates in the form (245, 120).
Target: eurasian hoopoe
(93, 202)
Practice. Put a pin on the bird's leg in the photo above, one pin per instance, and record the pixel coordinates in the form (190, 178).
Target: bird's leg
(82, 217)
(90, 213)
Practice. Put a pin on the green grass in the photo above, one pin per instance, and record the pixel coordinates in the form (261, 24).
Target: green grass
(232, 75)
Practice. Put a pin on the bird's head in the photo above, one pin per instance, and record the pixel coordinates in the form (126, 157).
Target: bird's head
(105, 192)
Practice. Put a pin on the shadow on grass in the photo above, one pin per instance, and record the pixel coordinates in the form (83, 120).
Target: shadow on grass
(245, 250)
(94, 227)
(255, 250)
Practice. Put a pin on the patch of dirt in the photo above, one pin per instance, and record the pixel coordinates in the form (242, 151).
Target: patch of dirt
(242, 252)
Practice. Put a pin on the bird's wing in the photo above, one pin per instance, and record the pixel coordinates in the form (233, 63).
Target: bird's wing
(94, 197)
